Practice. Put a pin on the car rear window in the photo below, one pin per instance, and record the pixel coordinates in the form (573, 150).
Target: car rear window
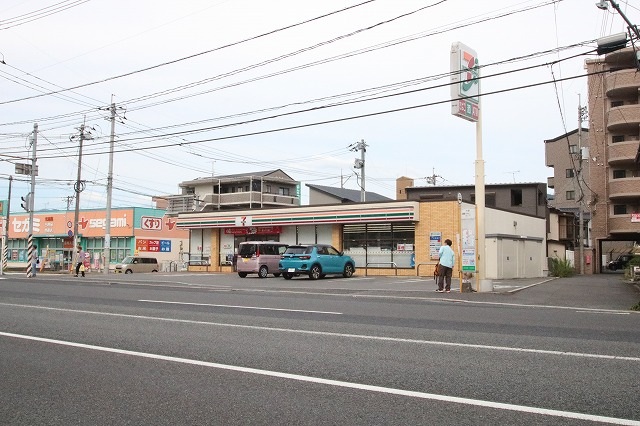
(298, 250)
(247, 250)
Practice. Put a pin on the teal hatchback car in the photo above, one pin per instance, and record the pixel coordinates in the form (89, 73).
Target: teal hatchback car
(316, 261)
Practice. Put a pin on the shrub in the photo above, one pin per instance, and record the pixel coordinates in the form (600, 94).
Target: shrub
(561, 268)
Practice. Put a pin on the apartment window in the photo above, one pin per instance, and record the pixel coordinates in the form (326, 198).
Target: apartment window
(616, 103)
(617, 138)
(489, 199)
(516, 197)
(619, 209)
(283, 191)
(570, 173)
(571, 195)
(267, 189)
(619, 174)
(573, 149)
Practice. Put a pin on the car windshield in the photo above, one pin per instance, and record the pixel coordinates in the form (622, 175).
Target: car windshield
(298, 250)
(128, 259)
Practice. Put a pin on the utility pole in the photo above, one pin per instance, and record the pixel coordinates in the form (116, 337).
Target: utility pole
(107, 230)
(5, 232)
(359, 164)
(31, 267)
(581, 116)
(431, 180)
(602, 4)
(78, 188)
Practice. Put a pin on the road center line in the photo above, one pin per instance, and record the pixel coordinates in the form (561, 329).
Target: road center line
(339, 383)
(239, 307)
(341, 335)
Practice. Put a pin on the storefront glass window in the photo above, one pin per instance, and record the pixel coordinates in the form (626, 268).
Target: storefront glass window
(17, 250)
(380, 245)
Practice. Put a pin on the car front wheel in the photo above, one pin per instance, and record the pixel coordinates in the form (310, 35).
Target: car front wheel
(315, 272)
(348, 271)
(242, 274)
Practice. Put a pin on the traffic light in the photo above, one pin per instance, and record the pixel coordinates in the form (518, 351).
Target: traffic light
(26, 201)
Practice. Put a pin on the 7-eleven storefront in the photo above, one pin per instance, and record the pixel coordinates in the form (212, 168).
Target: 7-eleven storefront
(385, 238)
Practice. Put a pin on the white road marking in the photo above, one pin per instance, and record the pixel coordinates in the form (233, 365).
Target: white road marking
(339, 383)
(239, 307)
(342, 335)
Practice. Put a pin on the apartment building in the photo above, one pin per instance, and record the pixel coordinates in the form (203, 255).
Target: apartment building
(272, 188)
(614, 138)
(568, 155)
(524, 198)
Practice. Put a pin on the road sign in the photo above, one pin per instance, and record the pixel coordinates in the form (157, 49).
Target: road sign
(25, 169)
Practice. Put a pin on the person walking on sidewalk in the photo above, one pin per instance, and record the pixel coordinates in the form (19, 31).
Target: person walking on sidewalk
(447, 259)
(80, 261)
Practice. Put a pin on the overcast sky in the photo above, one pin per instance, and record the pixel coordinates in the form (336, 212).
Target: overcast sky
(216, 87)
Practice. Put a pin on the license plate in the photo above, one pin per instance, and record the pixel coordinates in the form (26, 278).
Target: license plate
(291, 270)
(245, 260)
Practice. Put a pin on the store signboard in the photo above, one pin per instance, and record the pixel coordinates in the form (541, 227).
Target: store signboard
(435, 241)
(465, 82)
(154, 246)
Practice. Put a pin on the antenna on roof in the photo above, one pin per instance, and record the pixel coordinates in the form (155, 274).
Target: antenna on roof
(513, 173)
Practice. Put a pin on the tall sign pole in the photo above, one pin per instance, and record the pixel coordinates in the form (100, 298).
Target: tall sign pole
(465, 103)
(31, 249)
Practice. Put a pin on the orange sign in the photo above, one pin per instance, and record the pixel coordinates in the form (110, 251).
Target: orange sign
(90, 224)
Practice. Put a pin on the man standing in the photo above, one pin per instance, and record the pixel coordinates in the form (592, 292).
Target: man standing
(80, 261)
(447, 259)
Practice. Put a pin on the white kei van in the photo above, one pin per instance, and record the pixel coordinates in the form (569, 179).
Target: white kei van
(259, 257)
(131, 264)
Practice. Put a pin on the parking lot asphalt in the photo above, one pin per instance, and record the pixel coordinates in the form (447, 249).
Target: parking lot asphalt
(598, 291)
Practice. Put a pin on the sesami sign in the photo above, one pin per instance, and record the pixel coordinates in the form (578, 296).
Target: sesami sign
(90, 224)
(465, 83)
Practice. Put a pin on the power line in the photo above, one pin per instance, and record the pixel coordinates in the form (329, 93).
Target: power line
(187, 132)
(337, 120)
(5, 24)
(194, 55)
(343, 56)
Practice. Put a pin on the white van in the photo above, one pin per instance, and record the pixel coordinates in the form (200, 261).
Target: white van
(259, 257)
(131, 264)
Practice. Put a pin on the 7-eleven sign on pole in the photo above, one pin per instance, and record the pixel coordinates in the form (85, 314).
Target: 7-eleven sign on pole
(465, 103)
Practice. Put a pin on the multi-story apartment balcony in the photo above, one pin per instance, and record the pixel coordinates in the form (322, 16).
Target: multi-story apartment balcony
(622, 224)
(622, 83)
(625, 118)
(551, 182)
(624, 189)
(622, 152)
(211, 202)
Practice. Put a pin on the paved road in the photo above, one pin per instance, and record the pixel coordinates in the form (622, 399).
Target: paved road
(217, 349)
